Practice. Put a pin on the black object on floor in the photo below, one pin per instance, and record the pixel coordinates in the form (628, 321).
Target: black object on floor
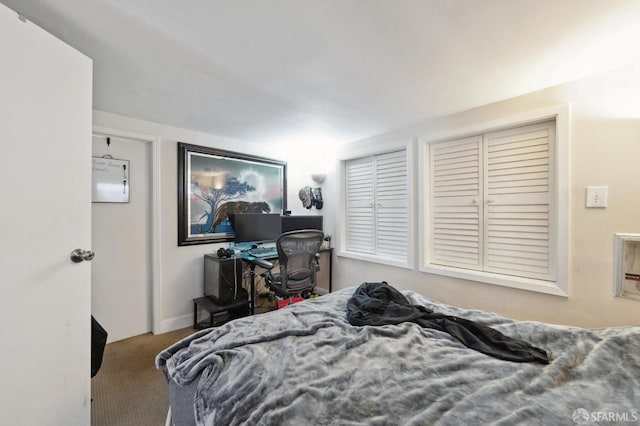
(98, 342)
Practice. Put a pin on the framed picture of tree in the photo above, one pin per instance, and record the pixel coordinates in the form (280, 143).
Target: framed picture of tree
(213, 183)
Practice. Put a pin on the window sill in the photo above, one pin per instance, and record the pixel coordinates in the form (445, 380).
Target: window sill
(539, 286)
(375, 259)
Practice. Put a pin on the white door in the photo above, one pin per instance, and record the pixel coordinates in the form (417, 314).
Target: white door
(45, 172)
(121, 237)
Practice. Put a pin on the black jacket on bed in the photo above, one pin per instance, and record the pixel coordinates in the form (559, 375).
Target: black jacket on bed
(381, 304)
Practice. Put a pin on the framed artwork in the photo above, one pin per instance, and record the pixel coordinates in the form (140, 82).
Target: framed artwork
(213, 183)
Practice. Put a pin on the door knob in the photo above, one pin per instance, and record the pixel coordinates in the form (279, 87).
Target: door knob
(78, 255)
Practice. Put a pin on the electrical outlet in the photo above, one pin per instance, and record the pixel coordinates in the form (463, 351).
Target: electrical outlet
(597, 196)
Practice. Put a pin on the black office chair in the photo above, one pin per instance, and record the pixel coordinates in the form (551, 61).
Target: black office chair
(298, 259)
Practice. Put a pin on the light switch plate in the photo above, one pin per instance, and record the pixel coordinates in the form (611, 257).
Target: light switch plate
(597, 196)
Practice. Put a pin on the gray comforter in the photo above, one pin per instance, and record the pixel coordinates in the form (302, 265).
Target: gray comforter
(306, 365)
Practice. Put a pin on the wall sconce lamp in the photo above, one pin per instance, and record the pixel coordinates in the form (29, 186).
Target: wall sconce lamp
(318, 178)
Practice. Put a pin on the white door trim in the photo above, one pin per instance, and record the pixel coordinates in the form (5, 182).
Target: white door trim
(156, 265)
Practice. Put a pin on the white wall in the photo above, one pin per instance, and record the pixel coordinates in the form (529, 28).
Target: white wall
(181, 269)
(605, 150)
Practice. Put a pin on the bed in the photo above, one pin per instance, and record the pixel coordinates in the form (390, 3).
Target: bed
(307, 365)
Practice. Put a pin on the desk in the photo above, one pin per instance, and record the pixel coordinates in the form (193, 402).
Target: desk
(324, 252)
(327, 258)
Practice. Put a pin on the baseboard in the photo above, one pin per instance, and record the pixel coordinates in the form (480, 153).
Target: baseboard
(175, 323)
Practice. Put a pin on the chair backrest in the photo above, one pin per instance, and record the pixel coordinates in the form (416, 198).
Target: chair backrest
(297, 257)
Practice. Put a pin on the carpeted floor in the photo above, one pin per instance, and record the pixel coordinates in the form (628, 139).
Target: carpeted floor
(128, 390)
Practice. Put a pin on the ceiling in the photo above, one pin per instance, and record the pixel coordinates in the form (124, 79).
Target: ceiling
(302, 71)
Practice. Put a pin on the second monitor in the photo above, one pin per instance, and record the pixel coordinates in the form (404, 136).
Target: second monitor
(294, 223)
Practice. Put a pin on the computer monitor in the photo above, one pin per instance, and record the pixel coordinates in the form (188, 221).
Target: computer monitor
(256, 227)
(294, 223)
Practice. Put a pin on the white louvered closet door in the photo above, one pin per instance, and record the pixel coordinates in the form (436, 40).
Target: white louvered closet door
(456, 200)
(519, 170)
(391, 208)
(360, 200)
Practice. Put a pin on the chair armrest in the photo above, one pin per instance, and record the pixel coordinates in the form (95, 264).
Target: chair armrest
(262, 263)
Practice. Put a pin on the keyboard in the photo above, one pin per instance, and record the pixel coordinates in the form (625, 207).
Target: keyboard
(263, 252)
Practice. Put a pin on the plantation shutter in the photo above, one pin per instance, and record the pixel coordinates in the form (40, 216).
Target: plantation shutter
(360, 202)
(391, 208)
(492, 202)
(377, 206)
(456, 215)
(519, 195)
